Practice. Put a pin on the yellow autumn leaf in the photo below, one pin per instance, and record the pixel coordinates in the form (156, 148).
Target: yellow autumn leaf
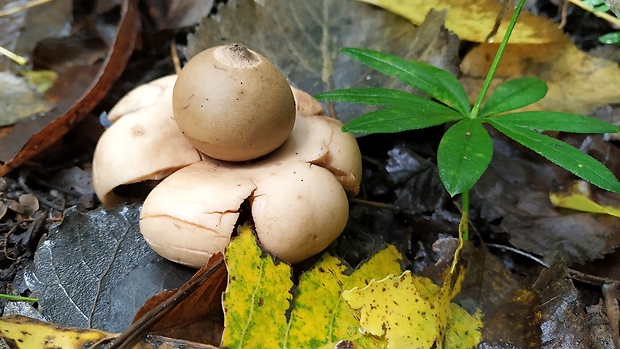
(411, 311)
(318, 298)
(393, 308)
(257, 297)
(577, 82)
(408, 317)
(473, 20)
(21, 332)
(261, 312)
(578, 198)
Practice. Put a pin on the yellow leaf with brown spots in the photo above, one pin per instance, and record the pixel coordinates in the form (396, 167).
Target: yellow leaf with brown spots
(412, 312)
(21, 332)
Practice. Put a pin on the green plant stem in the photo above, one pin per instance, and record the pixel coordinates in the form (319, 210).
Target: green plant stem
(498, 56)
(18, 298)
(464, 223)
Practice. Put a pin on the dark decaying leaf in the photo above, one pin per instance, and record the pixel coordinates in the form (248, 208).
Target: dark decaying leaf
(304, 40)
(199, 317)
(95, 270)
(173, 14)
(512, 317)
(598, 325)
(514, 199)
(564, 322)
(25, 140)
(22, 30)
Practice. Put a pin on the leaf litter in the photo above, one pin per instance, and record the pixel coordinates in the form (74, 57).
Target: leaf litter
(515, 300)
(412, 309)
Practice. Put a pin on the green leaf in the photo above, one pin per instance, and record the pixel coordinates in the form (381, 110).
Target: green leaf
(514, 94)
(374, 96)
(563, 155)
(433, 81)
(398, 120)
(609, 38)
(555, 121)
(464, 153)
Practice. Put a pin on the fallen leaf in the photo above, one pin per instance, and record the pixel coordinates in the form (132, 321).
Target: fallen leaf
(395, 309)
(20, 101)
(318, 298)
(564, 321)
(473, 20)
(21, 332)
(304, 41)
(514, 196)
(502, 298)
(96, 270)
(24, 29)
(577, 82)
(412, 311)
(257, 297)
(578, 198)
(25, 140)
(255, 319)
(199, 317)
(174, 14)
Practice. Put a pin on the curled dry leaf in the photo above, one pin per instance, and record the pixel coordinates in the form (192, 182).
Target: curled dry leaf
(48, 129)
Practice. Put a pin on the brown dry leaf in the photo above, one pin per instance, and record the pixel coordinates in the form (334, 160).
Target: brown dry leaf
(24, 141)
(512, 317)
(577, 81)
(199, 317)
(473, 20)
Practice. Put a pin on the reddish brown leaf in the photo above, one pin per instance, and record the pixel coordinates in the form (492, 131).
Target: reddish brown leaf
(198, 318)
(48, 129)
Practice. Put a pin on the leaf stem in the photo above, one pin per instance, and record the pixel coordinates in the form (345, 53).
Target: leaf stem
(464, 223)
(18, 298)
(498, 56)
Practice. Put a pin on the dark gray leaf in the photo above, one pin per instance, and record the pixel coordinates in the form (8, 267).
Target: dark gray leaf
(304, 38)
(564, 323)
(514, 196)
(95, 270)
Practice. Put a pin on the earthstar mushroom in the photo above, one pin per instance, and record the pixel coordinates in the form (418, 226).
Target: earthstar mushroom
(297, 191)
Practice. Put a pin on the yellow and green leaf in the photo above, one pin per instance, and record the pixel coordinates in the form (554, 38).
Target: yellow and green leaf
(257, 297)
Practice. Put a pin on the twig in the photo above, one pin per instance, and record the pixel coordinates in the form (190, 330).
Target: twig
(375, 204)
(174, 55)
(523, 253)
(575, 274)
